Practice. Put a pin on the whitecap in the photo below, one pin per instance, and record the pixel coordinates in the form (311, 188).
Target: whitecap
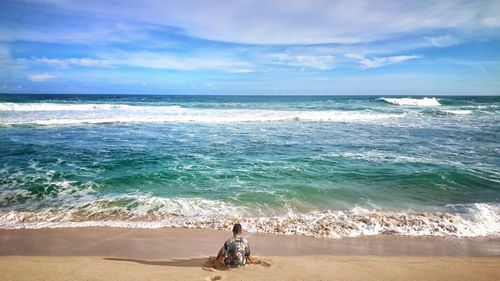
(161, 114)
(458, 111)
(412, 101)
(36, 107)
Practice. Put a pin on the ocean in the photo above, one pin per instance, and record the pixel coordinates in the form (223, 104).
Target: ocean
(323, 166)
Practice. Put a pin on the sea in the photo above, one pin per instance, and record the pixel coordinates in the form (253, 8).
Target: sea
(322, 166)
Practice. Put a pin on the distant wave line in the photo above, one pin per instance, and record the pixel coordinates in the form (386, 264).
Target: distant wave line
(192, 115)
(9, 106)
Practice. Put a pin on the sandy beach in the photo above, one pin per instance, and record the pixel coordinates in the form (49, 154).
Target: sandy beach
(182, 254)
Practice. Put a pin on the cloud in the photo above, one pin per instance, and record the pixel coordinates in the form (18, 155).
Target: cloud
(164, 60)
(64, 63)
(319, 62)
(51, 24)
(41, 77)
(89, 62)
(150, 60)
(108, 43)
(296, 21)
(443, 41)
(375, 62)
(51, 62)
(241, 70)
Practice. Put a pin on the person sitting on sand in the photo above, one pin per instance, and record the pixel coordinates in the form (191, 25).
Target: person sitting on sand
(235, 252)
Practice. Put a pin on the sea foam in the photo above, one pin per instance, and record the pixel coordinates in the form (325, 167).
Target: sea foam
(62, 107)
(133, 211)
(412, 101)
(64, 114)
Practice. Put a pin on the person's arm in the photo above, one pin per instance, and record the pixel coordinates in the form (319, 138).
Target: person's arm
(247, 254)
(219, 260)
(222, 253)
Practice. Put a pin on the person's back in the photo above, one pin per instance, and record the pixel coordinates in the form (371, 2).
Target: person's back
(236, 251)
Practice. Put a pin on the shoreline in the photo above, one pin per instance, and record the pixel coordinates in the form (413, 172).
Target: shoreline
(461, 221)
(104, 253)
(149, 243)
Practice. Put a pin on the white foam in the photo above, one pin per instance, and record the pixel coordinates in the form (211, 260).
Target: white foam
(382, 156)
(412, 101)
(480, 219)
(37, 107)
(61, 107)
(165, 114)
(144, 211)
(458, 111)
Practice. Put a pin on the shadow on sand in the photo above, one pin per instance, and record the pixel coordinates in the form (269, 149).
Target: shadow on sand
(205, 263)
(195, 262)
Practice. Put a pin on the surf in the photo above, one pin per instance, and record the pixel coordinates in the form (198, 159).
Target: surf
(139, 211)
(412, 101)
(70, 114)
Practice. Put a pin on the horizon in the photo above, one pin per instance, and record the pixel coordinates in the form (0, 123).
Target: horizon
(257, 48)
(257, 95)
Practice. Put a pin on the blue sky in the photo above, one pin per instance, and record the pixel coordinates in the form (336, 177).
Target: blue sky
(250, 47)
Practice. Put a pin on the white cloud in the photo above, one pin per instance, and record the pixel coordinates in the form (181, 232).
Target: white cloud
(375, 62)
(64, 63)
(161, 60)
(241, 70)
(320, 62)
(89, 62)
(51, 62)
(298, 21)
(41, 77)
(152, 60)
(443, 41)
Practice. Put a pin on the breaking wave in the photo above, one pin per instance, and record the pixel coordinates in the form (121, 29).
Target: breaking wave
(142, 211)
(458, 112)
(64, 114)
(412, 101)
(8, 106)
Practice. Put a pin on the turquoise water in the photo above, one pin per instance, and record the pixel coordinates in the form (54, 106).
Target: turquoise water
(321, 166)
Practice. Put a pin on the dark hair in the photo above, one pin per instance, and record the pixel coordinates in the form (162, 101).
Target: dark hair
(237, 228)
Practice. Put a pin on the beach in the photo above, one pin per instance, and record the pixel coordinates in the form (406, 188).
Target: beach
(100, 253)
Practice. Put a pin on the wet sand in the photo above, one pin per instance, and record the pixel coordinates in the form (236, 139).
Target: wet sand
(181, 254)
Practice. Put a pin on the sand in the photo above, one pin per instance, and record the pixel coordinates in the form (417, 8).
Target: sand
(182, 254)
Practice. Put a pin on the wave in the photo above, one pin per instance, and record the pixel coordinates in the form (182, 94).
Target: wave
(442, 112)
(162, 114)
(71, 204)
(36, 107)
(144, 211)
(458, 112)
(412, 101)
(60, 107)
(378, 156)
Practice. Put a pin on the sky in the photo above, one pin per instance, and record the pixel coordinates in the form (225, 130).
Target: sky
(306, 47)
